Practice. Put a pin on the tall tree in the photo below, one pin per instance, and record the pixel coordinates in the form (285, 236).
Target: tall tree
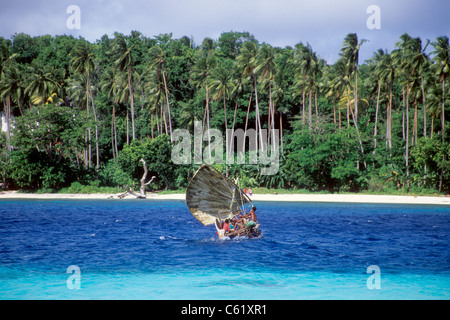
(306, 61)
(442, 70)
(125, 63)
(247, 63)
(204, 64)
(403, 60)
(266, 69)
(221, 84)
(387, 73)
(350, 52)
(83, 62)
(157, 60)
(110, 86)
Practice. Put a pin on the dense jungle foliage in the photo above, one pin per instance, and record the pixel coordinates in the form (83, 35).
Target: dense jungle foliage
(78, 115)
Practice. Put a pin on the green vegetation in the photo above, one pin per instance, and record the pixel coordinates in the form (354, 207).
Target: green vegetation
(79, 116)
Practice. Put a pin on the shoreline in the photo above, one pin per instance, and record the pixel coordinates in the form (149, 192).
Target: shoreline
(338, 198)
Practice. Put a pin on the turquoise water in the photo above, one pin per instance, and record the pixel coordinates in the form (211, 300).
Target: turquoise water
(157, 250)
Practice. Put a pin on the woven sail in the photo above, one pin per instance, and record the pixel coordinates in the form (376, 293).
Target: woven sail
(211, 195)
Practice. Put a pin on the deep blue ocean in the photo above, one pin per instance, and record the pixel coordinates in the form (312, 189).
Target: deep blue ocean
(148, 249)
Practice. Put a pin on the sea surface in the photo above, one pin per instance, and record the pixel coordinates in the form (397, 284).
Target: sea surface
(149, 249)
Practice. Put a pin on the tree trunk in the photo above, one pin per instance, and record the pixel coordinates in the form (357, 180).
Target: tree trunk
(441, 178)
(143, 183)
(96, 131)
(207, 122)
(407, 128)
(359, 138)
(128, 129)
(168, 105)
(89, 129)
(376, 120)
(115, 131)
(424, 110)
(8, 123)
(309, 108)
(348, 107)
(356, 91)
(442, 109)
(303, 98)
(130, 87)
(246, 121)
(258, 120)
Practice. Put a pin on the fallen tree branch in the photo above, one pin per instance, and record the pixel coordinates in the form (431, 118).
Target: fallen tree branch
(129, 191)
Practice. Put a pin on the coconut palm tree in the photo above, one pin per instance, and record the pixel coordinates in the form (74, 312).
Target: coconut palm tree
(83, 62)
(338, 84)
(350, 52)
(125, 63)
(247, 63)
(442, 70)
(220, 83)
(205, 63)
(157, 60)
(41, 84)
(388, 76)
(420, 62)
(266, 68)
(109, 85)
(154, 89)
(9, 86)
(306, 60)
(375, 63)
(403, 60)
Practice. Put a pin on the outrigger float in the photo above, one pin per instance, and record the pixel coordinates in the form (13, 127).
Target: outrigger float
(212, 198)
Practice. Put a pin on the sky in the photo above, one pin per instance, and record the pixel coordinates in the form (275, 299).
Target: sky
(323, 24)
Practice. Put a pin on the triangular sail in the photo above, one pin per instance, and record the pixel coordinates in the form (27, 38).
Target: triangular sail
(211, 195)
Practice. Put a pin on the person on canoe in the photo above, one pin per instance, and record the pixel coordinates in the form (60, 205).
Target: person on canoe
(251, 218)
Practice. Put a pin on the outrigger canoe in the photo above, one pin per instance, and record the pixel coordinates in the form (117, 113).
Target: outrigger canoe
(212, 198)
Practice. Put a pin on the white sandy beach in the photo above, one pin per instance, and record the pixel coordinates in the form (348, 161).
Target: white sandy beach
(352, 198)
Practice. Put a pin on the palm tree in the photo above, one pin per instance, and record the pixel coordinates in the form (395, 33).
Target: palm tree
(420, 63)
(247, 63)
(306, 61)
(76, 88)
(376, 62)
(266, 68)
(387, 72)
(157, 60)
(83, 62)
(338, 84)
(442, 70)
(205, 63)
(109, 85)
(8, 87)
(154, 89)
(434, 104)
(125, 64)
(41, 84)
(403, 60)
(221, 84)
(350, 52)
